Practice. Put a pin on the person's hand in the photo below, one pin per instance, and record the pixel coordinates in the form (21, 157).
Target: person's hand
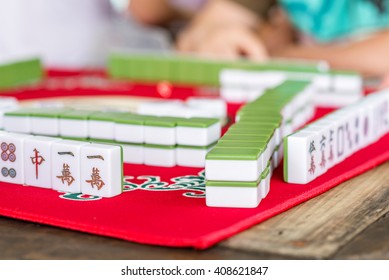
(223, 29)
(228, 42)
(384, 82)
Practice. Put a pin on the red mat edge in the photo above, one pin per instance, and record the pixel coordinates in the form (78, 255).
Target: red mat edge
(212, 239)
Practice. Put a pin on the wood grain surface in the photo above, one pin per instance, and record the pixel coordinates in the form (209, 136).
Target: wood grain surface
(321, 226)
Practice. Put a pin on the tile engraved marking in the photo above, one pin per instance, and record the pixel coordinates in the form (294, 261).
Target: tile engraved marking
(37, 160)
(96, 179)
(66, 175)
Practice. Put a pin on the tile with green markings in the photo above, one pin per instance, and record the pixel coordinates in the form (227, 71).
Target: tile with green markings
(232, 184)
(102, 125)
(49, 112)
(20, 73)
(161, 131)
(234, 164)
(133, 119)
(162, 122)
(242, 144)
(75, 124)
(197, 122)
(106, 116)
(18, 120)
(243, 138)
(234, 153)
(45, 121)
(77, 114)
(160, 155)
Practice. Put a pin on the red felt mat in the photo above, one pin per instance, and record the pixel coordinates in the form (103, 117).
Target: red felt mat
(162, 206)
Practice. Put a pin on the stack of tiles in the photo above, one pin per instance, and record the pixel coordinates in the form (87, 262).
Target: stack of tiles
(313, 150)
(17, 73)
(166, 141)
(150, 140)
(239, 168)
(63, 165)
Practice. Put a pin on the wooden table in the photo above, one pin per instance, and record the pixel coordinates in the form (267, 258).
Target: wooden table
(350, 221)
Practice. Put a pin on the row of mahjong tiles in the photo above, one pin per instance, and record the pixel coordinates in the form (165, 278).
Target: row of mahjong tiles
(239, 85)
(313, 150)
(195, 70)
(239, 81)
(169, 138)
(62, 165)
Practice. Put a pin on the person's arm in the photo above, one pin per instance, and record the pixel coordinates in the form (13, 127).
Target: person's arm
(223, 29)
(369, 57)
(156, 12)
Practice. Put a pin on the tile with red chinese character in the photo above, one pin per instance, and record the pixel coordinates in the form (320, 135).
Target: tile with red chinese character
(101, 170)
(37, 161)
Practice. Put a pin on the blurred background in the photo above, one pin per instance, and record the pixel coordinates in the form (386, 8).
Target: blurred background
(73, 33)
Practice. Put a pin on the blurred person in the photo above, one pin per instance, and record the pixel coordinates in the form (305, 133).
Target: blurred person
(220, 28)
(72, 33)
(67, 33)
(349, 34)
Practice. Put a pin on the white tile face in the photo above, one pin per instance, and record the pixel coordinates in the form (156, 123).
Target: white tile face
(218, 107)
(133, 154)
(323, 150)
(331, 147)
(341, 134)
(350, 133)
(233, 94)
(241, 197)
(380, 114)
(129, 133)
(193, 136)
(158, 108)
(191, 157)
(160, 135)
(101, 170)
(66, 166)
(367, 134)
(8, 102)
(322, 83)
(263, 189)
(101, 129)
(17, 124)
(12, 160)
(357, 130)
(45, 126)
(73, 128)
(233, 170)
(192, 112)
(159, 157)
(303, 157)
(348, 83)
(3, 110)
(37, 161)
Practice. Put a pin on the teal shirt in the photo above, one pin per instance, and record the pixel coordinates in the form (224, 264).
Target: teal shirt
(329, 20)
